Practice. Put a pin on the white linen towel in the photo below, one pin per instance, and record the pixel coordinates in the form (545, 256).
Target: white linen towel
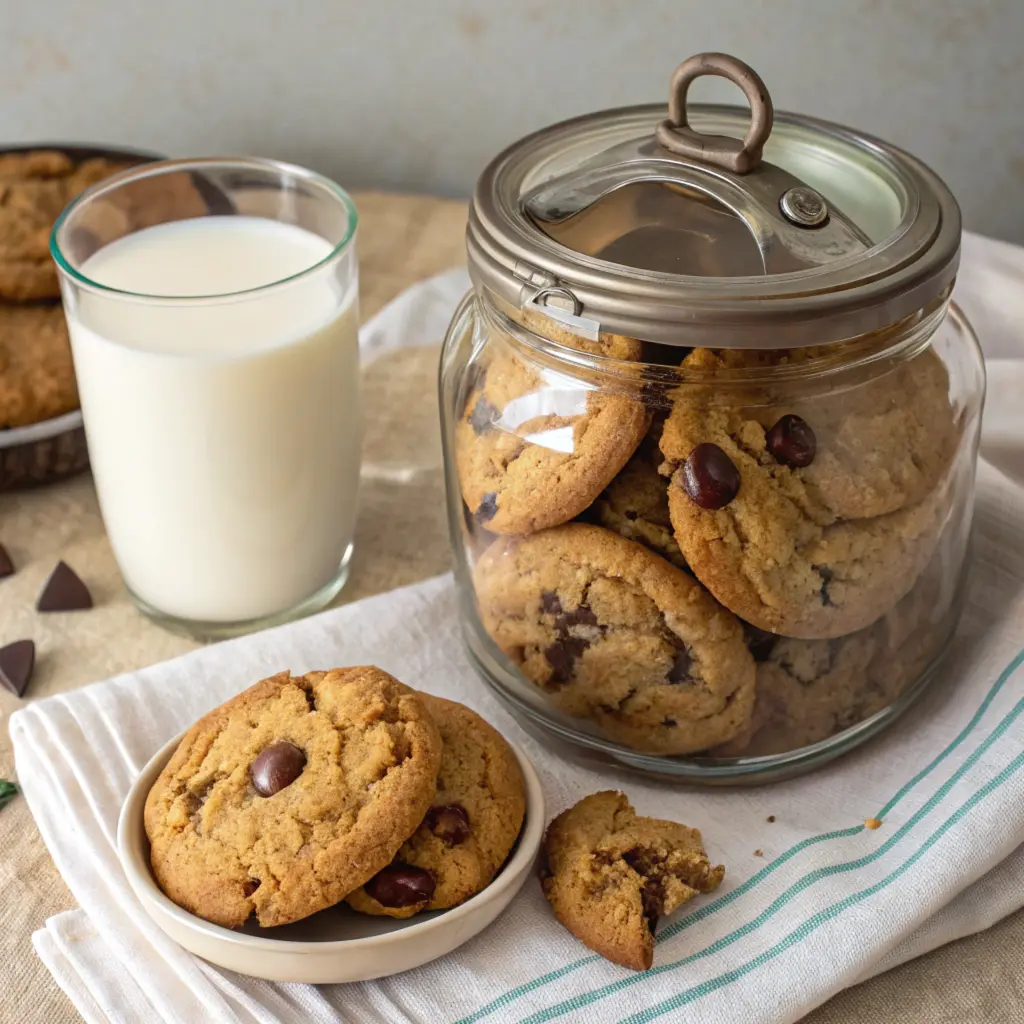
(828, 904)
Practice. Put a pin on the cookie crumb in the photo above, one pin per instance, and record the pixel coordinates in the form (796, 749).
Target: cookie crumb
(759, 853)
(771, 818)
(872, 823)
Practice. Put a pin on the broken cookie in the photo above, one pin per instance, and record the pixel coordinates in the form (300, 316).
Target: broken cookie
(609, 875)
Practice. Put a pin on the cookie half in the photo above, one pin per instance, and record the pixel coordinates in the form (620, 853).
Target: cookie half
(470, 829)
(283, 800)
(613, 633)
(610, 874)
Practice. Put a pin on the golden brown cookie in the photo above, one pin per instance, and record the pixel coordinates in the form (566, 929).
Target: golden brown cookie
(534, 448)
(609, 875)
(37, 377)
(472, 825)
(283, 800)
(613, 633)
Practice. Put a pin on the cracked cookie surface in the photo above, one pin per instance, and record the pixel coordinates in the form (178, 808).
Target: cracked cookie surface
(472, 825)
(533, 447)
(614, 634)
(37, 376)
(609, 874)
(363, 756)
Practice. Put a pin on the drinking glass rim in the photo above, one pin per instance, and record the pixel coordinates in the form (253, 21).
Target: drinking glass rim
(158, 167)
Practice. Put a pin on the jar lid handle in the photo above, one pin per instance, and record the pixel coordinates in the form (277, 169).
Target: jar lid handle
(676, 135)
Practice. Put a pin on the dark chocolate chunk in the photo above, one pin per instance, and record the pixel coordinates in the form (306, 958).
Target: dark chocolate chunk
(562, 655)
(64, 592)
(631, 515)
(710, 477)
(582, 616)
(487, 508)
(277, 767)
(6, 565)
(680, 669)
(482, 418)
(669, 722)
(792, 442)
(550, 603)
(827, 576)
(400, 885)
(17, 661)
(449, 823)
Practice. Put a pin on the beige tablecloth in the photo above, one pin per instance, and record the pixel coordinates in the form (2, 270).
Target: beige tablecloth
(401, 538)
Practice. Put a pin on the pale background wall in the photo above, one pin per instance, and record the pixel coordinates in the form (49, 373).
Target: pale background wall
(418, 95)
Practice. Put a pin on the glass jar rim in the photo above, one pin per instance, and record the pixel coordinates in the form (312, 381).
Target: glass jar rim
(158, 168)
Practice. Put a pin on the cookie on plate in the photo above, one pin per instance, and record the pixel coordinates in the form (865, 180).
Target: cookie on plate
(610, 874)
(37, 377)
(533, 448)
(613, 633)
(635, 503)
(470, 829)
(283, 800)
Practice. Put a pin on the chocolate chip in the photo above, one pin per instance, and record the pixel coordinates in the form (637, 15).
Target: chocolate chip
(17, 661)
(759, 641)
(710, 477)
(792, 442)
(400, 885)
(449, 823)
(562, 655)
(482, 418)
(669, 722)
(550, 603)
(6, 565)
(251, 886)
(487, 508)
(582, 616)
(680, 669)
(64, 592)
(277, 767)
(631, 515)
(827, 576)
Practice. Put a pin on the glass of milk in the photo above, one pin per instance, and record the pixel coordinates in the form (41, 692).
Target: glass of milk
(212, 308)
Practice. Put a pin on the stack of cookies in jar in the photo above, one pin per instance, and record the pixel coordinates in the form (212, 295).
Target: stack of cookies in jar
(710, 551)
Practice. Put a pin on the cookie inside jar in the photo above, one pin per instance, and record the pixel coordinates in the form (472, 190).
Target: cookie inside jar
(710, 427)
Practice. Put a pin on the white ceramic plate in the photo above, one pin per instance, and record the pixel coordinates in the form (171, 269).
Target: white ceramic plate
(337, 944)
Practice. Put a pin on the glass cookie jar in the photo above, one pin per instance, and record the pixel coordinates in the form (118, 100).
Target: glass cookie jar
(710, 427)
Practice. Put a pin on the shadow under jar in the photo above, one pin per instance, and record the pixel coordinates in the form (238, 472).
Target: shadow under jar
(710, 427)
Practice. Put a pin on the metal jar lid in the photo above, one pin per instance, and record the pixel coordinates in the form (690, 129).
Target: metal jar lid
(674, 230)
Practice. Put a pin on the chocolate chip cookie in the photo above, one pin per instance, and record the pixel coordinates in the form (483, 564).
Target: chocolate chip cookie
(37, 376)
(533, 447)
(612, 633)
(472, 825)
(610, 874)
(283, 800)
(635, 503)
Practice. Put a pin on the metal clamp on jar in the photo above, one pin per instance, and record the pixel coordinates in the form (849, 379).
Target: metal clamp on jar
(710, 427)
